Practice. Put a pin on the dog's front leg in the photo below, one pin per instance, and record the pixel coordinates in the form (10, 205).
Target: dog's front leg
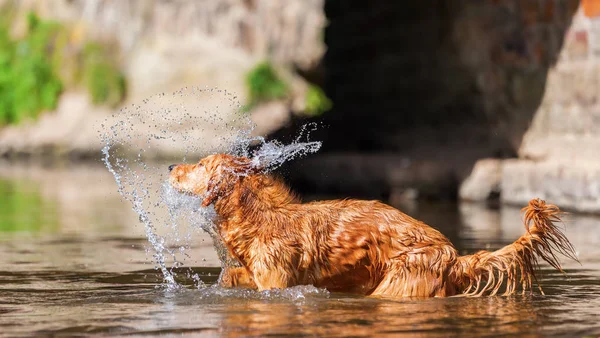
(272, 278)
(236, 277)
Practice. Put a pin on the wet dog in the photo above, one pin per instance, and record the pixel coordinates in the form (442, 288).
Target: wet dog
(356, 246)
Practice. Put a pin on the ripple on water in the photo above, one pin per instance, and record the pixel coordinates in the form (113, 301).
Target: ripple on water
(295, 293)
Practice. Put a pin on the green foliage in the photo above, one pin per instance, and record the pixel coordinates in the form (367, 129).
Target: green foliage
(103, 79)
(28, 82)
(316, 101)
(35, 68)
(264, 84)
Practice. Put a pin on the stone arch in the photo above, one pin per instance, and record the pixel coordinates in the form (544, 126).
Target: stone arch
(437, 83)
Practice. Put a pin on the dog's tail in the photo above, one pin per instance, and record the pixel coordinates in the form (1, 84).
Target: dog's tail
(484, 272)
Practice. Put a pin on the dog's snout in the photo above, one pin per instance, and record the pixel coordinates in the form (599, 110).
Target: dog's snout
(172, 166)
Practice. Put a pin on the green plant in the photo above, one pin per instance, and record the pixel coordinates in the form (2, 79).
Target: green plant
(264, 84)
(6, 76)
(103, 79)
(34, 68)
(28, 82)
(316, 101)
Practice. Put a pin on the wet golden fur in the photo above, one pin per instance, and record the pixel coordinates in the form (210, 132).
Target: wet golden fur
(363, 247)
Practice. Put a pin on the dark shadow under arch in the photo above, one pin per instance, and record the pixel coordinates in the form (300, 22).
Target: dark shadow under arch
(421, 90)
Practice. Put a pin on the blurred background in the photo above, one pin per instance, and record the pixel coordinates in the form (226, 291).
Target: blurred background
(487, 102)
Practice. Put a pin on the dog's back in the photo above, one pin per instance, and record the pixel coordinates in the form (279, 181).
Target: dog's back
(354, 245)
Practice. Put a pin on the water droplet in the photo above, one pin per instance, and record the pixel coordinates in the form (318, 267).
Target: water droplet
(193, 126)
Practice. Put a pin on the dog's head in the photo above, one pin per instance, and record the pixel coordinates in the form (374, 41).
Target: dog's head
(214, 176)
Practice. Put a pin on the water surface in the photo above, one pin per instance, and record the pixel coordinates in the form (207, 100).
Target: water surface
(74, 261)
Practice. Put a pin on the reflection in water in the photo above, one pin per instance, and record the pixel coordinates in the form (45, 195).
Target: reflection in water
(86, 214)
(128, 303)
(364, 317)
(23, 209)
(74, 195)
(492, 229)
(85, 270)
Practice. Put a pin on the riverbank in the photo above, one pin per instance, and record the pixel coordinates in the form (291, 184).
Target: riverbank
(75, 128)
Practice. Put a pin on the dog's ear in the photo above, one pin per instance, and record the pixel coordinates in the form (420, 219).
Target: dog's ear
(224, 176)
(211, 195)
(240, 166)
(212, 189)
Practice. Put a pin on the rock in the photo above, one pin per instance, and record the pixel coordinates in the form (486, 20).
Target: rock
(74, 129)
(165, 46)
(167, 65)
(484, 182)
(566, 123)
(572, 186)
(288, 32)
(559, 154)
(68, 130)
(269, 117)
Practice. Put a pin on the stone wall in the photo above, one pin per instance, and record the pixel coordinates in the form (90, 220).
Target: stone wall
(170, 44)
(165, 46)
(568, 120)
(559, 157)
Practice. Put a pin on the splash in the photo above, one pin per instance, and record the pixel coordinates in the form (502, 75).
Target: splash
(186, 209)
(185, 125)
(296, 294)
(272, 155)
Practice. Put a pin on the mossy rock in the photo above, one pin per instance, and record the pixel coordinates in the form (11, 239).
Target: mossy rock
(104, 80)
(264, 84)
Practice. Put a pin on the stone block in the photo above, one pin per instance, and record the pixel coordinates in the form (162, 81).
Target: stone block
(576, 44)
(572, 186)
(567, 120)
(269, 117)
(595, 37)
(484, 181)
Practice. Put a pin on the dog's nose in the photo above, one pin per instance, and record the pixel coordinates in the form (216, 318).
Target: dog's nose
(172, 166)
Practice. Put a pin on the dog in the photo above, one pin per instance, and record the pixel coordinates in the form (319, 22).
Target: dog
(354, 246)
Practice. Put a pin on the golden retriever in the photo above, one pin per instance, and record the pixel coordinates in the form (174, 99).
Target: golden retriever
(363, 247)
